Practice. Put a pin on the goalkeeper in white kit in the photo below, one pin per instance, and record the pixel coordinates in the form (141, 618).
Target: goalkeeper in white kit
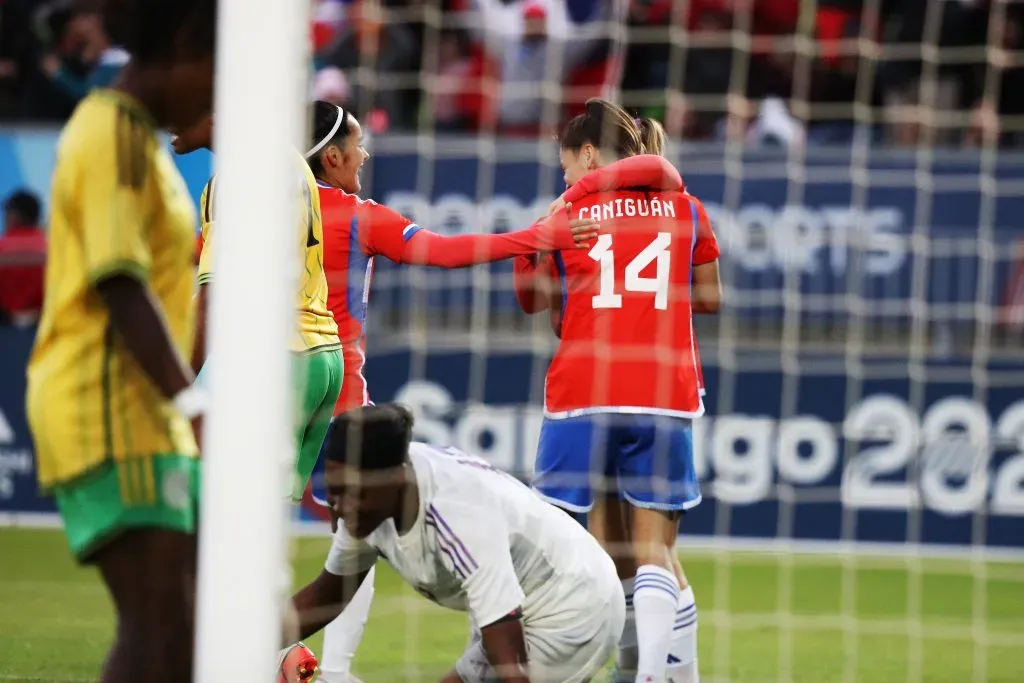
(544, 600)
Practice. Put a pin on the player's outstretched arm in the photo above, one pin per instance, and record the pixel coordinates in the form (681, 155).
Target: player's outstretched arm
(551, 233)
(320, 602)
(643, 170)
(387, 233)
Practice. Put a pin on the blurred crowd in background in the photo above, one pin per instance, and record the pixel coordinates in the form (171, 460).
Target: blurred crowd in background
(788, 71)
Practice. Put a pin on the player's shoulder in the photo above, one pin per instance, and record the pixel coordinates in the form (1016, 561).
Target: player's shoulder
(451, 474)
(306, 176)
(443, 456)
(337, 197)
(430, 461)
(108, 129)
(692, 202)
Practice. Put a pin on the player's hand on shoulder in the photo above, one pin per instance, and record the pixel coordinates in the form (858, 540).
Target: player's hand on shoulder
(561, 232)
(584, 230)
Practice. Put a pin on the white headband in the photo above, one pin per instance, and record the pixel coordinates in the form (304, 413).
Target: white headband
(330, 136)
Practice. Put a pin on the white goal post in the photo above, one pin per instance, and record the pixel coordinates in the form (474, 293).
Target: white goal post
(259, 108)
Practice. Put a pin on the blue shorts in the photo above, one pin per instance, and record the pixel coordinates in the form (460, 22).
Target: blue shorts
(647, 459)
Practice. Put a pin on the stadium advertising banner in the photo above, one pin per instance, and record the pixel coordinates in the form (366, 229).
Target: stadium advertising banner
(885, 226)
(824, 447)
(811, 455)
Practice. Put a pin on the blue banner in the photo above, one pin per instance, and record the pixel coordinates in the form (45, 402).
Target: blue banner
(810, 447)
(813, 455)
(877, 231)
(18, 488)
(830, 229)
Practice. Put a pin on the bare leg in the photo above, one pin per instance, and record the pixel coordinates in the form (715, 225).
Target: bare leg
(150, 574)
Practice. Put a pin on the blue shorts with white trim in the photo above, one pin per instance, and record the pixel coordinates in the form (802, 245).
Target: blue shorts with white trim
(648, 459)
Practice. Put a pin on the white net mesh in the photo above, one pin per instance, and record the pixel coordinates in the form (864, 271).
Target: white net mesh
(862, 457)
(862, 382)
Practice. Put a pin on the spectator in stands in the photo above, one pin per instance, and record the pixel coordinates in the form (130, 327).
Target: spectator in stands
(524, 68)
(22, 259)
(996, 85)
(536, 43)
(454, 107)
(722, 81)
(12, 49)
(88, 61)
(913, 87)
(25, 27)
(376, 50)
(329, 82)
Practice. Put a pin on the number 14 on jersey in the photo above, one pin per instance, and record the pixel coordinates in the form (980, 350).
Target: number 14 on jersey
(657, 251)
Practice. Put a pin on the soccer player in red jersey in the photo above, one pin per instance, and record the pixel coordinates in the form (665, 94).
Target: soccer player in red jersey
(534, 273)
(625, 382)
(355, 232)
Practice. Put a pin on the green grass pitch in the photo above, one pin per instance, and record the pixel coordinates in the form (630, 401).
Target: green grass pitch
(763, 618)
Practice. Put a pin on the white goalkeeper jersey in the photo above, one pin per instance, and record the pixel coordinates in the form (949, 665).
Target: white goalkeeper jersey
(486, 544)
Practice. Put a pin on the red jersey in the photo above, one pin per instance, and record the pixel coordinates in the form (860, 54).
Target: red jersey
(355, 231)
(22, 270)
(627, 338)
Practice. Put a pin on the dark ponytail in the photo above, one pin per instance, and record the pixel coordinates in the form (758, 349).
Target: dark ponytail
(331, 125)
(604, 125)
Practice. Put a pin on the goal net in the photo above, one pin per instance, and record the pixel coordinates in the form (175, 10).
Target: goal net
(864, 377)
(862, 454)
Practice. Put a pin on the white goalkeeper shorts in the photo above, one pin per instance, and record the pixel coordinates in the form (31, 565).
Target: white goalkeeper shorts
(557, 656)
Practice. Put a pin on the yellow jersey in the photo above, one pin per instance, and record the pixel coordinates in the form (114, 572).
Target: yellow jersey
(315, 328)
(118, 206)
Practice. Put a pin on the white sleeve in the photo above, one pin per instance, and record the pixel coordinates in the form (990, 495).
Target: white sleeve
(349, 556)
(474, 547)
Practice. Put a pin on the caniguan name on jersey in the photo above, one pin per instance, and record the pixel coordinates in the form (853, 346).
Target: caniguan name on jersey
(629, 207)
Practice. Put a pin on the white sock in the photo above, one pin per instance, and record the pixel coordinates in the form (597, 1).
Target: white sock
(342, 636)
(655, 596)
(625, 660)
(682, 652)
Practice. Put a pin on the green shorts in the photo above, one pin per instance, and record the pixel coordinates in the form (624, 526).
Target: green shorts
(317, 377)
(159, 491)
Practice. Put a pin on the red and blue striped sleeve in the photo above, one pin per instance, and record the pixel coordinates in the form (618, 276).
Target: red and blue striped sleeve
(387, 232)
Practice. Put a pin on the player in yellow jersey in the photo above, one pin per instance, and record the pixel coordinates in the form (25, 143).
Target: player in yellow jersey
(109, 392)
(318, 368)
